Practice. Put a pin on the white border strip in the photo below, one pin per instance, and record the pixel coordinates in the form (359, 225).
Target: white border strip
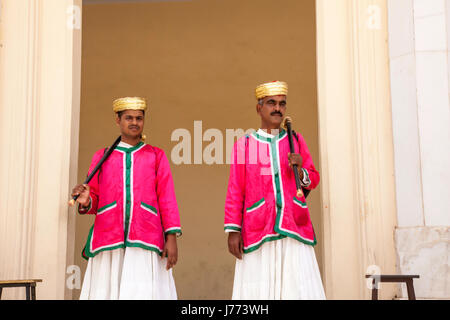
(124, 179)
(107, 209)
(132, 189)
(262, 239)
(173, 228)
(259, 206)
(146, 244)
(149, 210)
(233, 225)
(300, 205)
(104, 247)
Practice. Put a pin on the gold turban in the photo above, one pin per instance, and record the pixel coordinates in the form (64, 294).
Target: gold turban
(274, 88)
(129, 103)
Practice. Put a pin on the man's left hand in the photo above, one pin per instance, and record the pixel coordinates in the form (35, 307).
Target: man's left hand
(170, 250)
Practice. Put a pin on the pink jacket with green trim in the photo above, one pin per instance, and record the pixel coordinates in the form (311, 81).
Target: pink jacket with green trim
(133, 198)
(261, 200)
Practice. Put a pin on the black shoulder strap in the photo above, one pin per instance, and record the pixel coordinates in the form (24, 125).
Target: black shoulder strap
(100, 170)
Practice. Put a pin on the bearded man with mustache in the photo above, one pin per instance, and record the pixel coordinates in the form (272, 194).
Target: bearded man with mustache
(132, 247)
(269, 226)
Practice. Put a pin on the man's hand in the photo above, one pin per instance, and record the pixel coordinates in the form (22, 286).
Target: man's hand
(170, 250)
(82, 190)
(235, 244)
(295, 158)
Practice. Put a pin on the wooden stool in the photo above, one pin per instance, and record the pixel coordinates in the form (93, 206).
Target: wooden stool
(408, 279)
(30, 286)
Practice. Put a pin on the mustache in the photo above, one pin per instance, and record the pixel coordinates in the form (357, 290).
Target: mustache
(276, 112)
(133, 127)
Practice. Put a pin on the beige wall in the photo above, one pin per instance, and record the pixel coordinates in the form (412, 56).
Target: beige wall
(196, 60)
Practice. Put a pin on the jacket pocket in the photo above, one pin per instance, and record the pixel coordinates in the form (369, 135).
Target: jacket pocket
(255, 217)
(300, 212)
(300, 203)
(149, 208)
(256, 206)
(106, 208)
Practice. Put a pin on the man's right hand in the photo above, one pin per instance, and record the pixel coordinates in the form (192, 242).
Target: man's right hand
(235, 244)
(83, 191)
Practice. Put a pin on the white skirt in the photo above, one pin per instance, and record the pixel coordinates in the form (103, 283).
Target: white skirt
(283, 269)
(130, 273)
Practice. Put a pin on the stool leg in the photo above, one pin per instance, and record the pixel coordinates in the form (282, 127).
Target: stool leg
(33, 291)
(27, 291)
(1, 289)
(375, 290)
(410, 288)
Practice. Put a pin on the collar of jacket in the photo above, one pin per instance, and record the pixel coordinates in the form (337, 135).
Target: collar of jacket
(128, 150)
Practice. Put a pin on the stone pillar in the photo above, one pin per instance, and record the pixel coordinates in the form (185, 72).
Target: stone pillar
(355, 134)
(419, 40)
(40, 59)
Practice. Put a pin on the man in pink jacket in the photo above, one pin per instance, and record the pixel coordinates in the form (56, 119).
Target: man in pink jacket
(132, 246)
(270, 230)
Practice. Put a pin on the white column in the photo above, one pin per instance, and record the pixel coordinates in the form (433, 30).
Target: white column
(39, 104)
(418, 42)
(357, 165)
(431, 48)
(404, 113)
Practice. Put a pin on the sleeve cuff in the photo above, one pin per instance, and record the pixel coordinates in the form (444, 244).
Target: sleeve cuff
(232, 228)
(175, 230)
(83, 210)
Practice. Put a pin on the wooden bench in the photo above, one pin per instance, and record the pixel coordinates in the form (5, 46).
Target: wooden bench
(408, 279)
(29, 284)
